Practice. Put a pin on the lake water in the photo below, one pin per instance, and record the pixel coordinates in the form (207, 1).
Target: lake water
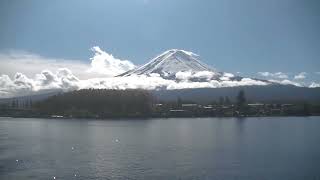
(268, 148)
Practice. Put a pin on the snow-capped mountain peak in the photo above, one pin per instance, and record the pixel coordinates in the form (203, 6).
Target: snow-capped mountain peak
(171, 62)
(185, 66)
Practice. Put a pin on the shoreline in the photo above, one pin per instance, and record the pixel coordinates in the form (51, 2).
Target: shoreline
(152, 117)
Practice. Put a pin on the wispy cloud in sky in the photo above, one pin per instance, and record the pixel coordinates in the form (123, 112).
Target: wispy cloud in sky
(279, 75)
(30, 64)
(102, 64)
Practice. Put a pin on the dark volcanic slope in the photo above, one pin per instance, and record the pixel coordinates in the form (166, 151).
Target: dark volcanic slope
(271, 93)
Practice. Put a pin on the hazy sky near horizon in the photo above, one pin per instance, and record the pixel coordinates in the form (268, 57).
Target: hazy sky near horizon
(247, 36)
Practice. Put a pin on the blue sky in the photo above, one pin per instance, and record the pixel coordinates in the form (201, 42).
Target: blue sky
(247, 36)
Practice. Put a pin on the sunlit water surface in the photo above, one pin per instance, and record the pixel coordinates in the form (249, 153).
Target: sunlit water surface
(188, 148)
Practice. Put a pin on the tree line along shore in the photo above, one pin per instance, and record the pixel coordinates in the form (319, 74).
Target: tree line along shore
(104, 103)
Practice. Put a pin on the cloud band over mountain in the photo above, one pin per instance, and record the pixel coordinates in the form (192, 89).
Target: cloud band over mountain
(71, 75)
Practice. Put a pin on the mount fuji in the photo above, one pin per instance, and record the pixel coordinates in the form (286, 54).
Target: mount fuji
(171, 62)
(176, 64)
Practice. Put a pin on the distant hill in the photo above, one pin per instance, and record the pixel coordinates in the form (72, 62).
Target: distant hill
(33, 98)
(98, 103)
(270, 93)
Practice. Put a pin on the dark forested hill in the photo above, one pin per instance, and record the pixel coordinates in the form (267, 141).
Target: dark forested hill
(98, 102)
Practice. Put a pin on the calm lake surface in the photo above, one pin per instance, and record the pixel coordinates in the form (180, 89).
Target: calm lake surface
(267, 148)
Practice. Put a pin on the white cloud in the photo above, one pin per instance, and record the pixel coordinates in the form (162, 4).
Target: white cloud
(63, 79)
(279, 75)
(317, 73)
(265, 74)
(285, 82)
(106, 64)
(301, 75)
(226, 76)
(68, 75)
(184, 76)
(204, 75)
(314, 85)
(199, 76)
(21, 85)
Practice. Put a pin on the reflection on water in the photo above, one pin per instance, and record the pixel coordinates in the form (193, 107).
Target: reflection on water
(186, 148)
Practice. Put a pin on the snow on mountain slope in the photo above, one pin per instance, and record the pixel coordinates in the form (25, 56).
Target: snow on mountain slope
(184, 66)
(171, 62)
